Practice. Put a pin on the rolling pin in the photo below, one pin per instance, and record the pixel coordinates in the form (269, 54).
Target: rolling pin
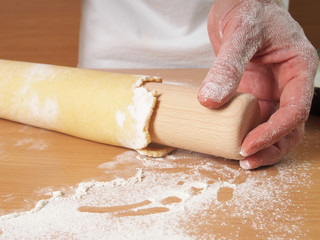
(180, 121)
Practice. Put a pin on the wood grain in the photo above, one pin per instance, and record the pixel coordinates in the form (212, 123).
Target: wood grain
(180, 121)
(41, 31)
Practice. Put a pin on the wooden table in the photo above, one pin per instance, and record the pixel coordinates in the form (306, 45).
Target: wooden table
(185, 194)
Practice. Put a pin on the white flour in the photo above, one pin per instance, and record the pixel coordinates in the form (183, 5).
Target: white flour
(188, 193)
(43, 112)
(30, 143)
(120, 118)
(140, 111)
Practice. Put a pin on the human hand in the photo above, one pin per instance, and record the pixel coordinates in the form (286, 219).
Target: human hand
(261, 50)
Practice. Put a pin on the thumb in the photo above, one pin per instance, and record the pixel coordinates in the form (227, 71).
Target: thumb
(224, 77)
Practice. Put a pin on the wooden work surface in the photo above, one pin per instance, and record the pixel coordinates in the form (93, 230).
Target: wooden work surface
(184, 194)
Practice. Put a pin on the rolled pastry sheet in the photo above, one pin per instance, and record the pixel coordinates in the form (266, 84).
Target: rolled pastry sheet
(100, 106)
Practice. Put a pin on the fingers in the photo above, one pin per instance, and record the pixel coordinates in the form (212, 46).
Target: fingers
(270, 132)
(274, 153)
(294, 105)
(240, 43)
(225, 74)
(267, 108)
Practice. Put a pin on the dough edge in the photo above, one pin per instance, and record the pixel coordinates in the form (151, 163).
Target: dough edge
(152, 149)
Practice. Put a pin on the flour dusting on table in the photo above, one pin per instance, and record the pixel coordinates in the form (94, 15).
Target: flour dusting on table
(183, 196)
(36, 144)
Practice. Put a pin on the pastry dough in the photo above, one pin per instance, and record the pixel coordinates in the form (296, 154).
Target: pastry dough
(156, 150)
(104, 107)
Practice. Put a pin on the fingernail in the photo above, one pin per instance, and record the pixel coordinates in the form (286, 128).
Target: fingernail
(243, 154)
(245, 164)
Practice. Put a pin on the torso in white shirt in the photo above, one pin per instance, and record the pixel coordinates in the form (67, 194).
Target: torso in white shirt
(145, 34)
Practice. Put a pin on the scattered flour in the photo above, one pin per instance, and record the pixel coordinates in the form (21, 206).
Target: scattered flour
(140, 110)
(46, 111)
(40, 72)
(120, 118)
(37, 73)
(177, 197)
(42, 110)
(35, 144)
(37, 208)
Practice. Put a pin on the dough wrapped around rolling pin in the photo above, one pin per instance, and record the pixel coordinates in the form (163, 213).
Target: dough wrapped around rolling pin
(95, 105)
(117, 109)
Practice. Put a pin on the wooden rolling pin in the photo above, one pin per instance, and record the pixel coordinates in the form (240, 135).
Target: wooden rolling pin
(180, 121)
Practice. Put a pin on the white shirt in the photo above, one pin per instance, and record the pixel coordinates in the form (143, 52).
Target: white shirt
(145, 34)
